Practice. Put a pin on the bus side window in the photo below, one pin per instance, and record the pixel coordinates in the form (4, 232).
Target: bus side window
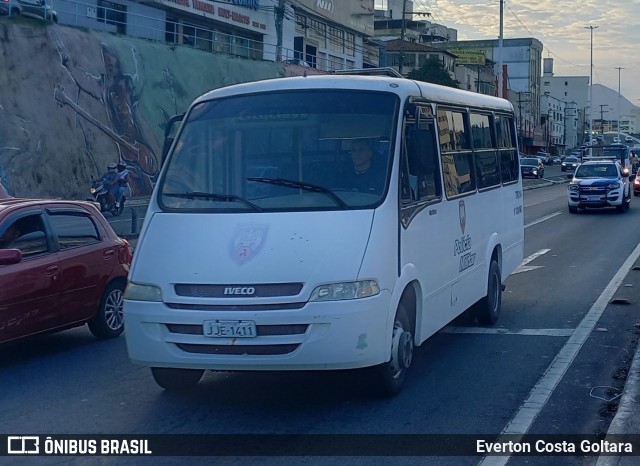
(424, 176)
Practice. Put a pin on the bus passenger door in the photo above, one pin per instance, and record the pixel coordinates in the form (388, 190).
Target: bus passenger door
(423, 244)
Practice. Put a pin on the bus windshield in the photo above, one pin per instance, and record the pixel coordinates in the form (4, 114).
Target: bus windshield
(283, 151)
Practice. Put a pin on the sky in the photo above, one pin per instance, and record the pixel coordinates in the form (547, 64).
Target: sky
(560, 26)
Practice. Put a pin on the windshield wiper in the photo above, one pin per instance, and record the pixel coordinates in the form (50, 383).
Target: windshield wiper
(214, 197)
(306, 186)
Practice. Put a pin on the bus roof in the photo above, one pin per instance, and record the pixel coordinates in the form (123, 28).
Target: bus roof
(400, 86)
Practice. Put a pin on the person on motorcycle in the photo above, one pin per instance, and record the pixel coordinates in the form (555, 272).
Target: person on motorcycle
(122, 182)
(110, 180)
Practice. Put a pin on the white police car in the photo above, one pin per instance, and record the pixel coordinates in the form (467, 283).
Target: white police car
(599, 183)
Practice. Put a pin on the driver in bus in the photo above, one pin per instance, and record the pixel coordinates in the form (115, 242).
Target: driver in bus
(368, 171)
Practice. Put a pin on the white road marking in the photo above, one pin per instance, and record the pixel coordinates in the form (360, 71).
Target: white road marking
(544, 388)
(527, 268)
(536, 332)
(535, 255)
(543, 219)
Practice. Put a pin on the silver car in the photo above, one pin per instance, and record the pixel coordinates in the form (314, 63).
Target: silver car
(32, 8)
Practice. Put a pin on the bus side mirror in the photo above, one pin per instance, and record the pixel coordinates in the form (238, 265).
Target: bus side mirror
(170, 130)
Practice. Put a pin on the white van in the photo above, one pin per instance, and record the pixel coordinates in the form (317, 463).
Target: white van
(324, 222)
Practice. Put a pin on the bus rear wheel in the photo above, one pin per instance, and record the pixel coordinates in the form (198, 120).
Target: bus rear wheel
(487, 310)
(389, 378)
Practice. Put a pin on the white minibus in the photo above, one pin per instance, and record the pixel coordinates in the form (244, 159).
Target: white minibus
(321, 223)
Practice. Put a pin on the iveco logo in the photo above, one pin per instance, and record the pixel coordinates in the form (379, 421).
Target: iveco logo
(240, 290)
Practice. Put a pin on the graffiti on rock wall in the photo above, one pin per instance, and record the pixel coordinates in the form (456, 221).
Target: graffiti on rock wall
(72, 101)
(116, 91)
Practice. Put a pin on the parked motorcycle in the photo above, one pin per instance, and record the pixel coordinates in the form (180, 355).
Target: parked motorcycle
(100, 194)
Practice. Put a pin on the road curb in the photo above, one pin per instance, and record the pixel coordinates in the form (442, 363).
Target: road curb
(626, 419)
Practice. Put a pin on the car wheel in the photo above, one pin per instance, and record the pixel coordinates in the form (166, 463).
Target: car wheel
(487, 310)
(176, 379)
(109, 321)
(389, 377)
(573, 210)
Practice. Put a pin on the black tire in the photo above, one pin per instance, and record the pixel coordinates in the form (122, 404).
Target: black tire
(109, 321)
(620, 208)
(573, 210)
(389, 377)
(117, 211)
(487, 310)
(176, 379)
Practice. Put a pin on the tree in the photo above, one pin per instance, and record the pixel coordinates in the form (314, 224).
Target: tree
(433, 72)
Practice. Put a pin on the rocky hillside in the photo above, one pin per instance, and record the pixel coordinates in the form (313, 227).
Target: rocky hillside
(73, 100)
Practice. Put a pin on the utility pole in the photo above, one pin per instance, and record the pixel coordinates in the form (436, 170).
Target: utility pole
(619, 68)
(279, 15)
(602, 112)
(591, 28)
(500, 74)
(403, 31)
(401, 59)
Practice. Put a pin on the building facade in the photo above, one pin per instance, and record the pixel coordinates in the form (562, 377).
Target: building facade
(553, 115)
(574, 91)
(522, 65)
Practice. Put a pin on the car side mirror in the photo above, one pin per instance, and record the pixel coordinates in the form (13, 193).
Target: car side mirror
(570, 176)
(10, 256)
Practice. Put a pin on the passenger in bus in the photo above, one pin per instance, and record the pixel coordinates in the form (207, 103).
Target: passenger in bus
(368, 169)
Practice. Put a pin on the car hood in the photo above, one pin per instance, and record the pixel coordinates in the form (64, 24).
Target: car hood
(287, 247)
(594, 181)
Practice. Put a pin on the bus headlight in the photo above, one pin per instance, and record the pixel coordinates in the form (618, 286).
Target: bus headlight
(345, 290)
(140, 292)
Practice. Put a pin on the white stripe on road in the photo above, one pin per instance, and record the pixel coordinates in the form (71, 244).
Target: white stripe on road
(527, 268)
(543, 219)
(536, 332)
(542, 391)
(535, 255)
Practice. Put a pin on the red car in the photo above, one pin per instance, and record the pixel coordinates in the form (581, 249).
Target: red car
(61, 266)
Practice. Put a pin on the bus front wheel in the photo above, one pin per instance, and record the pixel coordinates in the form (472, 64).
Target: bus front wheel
(390, 376)
(176, 379)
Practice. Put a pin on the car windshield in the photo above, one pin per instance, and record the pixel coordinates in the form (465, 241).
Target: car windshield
(570, 159)
(529, 161)
(596, 171)
(282, 151)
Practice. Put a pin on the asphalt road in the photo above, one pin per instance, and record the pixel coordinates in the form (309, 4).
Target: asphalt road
(464, 380)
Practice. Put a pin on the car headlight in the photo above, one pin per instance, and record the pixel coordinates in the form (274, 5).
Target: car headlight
(93, 190)
(613, 186)
(636, 181)
(535, 170)
(573, 187)
(140, 292)
(345, 290)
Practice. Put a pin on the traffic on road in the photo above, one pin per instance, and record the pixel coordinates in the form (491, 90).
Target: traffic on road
(559, 316)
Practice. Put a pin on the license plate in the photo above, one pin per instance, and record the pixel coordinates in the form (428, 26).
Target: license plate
(593, 198)
(229, 329)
